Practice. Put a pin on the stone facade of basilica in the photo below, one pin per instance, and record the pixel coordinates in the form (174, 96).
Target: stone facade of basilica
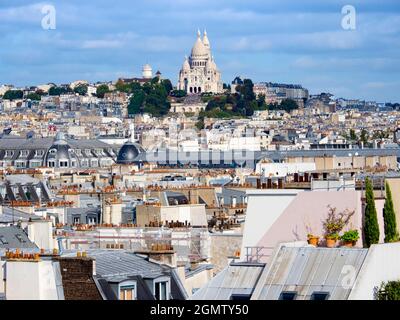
(199, 72)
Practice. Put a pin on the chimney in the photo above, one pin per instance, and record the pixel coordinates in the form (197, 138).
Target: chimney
(41, 233)
(192, 197)
(77, 277)
(162, 253)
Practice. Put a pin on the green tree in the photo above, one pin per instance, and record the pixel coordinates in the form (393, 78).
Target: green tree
(151, 98)
(371, 227)
(34, 96)
(389, 217)
(380, 134)
(123, 87)
(13, 95)
(167, 85)
(136, 103)
(56, 91)
(389, 291)
(135, 86)
(102, 90)
(155, 80)
(81, 89)
(226, 86)
(247, 90)
(288, 105)
(261, 105)
(364, 137)
(353, 135)
(178, 93)
(200, 123)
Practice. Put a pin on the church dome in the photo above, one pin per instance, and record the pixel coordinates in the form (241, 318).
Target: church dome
(199, 51)
(186, 65)
(60, 138)
(60, 151)
(206, 42)
(147, 71)
(147, 67)
(128, 153)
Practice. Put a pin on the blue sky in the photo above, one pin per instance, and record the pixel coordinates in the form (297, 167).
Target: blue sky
(290, 41)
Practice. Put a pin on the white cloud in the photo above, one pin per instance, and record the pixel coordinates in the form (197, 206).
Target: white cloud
(28, 13)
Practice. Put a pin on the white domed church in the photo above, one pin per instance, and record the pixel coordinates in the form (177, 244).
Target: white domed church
(199, 72)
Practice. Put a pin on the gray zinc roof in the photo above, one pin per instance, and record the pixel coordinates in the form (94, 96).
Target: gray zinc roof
(306, 270)
(236, 279)
(14, 237)
(9, 215)
(119, 264)
(45, 143)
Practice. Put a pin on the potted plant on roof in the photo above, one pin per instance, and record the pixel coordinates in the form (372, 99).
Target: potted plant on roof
(334, 223)
(331, 239)
(312, 239)
(350, 238)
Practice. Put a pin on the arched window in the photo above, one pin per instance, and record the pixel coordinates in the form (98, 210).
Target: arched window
(191, 90)
(195, 89)
(199, 90)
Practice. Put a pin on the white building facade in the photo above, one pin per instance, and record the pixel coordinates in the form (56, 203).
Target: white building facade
(199, 72)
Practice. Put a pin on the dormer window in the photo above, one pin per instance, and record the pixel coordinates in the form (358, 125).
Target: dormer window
(161, 290)
(9, 153)
(288, 295)
(318, 295)
(52, 151)
(127, 291)
(63, 164)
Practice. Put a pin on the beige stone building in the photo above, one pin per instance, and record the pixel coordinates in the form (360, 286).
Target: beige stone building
(352, 161)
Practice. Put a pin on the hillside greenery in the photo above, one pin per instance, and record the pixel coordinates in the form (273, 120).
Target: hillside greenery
(151, 97)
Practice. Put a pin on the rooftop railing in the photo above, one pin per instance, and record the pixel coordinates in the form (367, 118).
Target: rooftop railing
(257, 254)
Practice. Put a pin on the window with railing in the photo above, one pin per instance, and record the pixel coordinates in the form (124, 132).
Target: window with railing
(258, 254)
